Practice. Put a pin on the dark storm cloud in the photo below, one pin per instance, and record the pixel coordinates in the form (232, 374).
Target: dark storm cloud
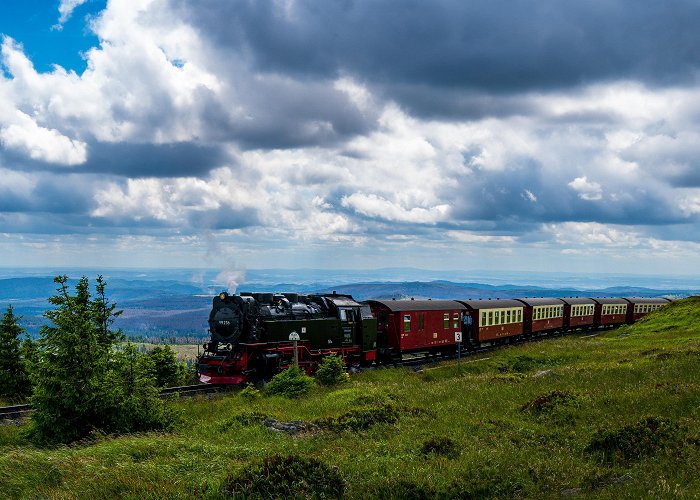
(675, 160)
(451, 103)
(292, 115)
(85, 224)
(182, 159)
(62, 195)
(525, 193)
(489, 45)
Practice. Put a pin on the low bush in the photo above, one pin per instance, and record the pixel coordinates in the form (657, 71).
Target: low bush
(286, 477)
(636, 440)
(242, 419)
(361, 418)
(476, 484)
(547, 403)
(331, 371)
(249, 392)
(440, 446)
(292, 383)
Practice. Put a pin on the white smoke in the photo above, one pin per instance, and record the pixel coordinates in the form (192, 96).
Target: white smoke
(232, 276)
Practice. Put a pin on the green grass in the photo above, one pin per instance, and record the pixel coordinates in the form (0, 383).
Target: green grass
(524, 421)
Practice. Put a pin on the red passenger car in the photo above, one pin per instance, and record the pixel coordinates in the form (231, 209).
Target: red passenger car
(641, 306)
(579, 312)
(415, 325)
(610, 312)
(542, 315)
(491, 320)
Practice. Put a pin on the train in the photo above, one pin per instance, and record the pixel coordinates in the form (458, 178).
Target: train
(253, 336)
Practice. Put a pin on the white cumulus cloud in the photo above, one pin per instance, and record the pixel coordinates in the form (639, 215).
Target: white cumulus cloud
(587, 190)
(24, 135)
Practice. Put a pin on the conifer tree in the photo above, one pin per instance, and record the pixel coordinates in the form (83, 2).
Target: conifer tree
(168, 372)
(136, 394)
(80, 384)
(14, 382)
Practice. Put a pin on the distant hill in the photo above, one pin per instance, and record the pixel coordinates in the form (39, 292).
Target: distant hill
(175, 303)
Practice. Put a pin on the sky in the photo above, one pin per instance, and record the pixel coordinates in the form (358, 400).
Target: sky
(542, 135)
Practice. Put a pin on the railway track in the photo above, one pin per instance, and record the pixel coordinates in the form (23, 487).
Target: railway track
(192, 390)
(20, 411)
(14, 412)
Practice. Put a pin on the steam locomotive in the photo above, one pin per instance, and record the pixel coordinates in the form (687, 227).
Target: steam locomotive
(255, 335)
(250, 334)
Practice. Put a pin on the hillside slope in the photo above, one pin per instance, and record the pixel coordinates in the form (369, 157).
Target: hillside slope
(613, 414)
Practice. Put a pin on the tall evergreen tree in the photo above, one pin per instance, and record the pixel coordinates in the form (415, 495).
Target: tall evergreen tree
(69, 367)
(14, 382)
(80, 384)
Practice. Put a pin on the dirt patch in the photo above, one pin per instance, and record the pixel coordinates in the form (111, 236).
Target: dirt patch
(293, 427)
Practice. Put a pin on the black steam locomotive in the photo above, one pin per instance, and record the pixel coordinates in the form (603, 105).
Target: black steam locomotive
(250, 334)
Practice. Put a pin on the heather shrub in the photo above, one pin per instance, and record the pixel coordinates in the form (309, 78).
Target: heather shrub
(634, 441)
(286, 477)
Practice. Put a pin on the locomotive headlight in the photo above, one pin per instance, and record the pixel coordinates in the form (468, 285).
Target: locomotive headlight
(223, 295)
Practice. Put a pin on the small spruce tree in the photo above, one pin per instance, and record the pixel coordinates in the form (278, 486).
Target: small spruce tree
(331, 371)
(292, 382)
(135, 395)
(166, 368)
(14, 382)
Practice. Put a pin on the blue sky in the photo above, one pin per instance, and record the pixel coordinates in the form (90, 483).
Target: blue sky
(37, 25)
(452, 134)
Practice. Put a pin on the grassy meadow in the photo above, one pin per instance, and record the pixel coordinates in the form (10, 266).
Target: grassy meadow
(612, 415)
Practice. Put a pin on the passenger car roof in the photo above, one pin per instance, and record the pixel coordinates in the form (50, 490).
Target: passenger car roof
(418, 305)
(546, 301)
(491, 303)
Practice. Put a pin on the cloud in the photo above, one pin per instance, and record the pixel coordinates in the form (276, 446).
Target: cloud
(298, 126)
(483, 46)
(182, 159)
(65, 9)
(39, 143)
(587, 190)
(379, 208)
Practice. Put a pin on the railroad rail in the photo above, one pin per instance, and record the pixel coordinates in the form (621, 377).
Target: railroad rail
(14, 412)
(191, 390)
(20, 411)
